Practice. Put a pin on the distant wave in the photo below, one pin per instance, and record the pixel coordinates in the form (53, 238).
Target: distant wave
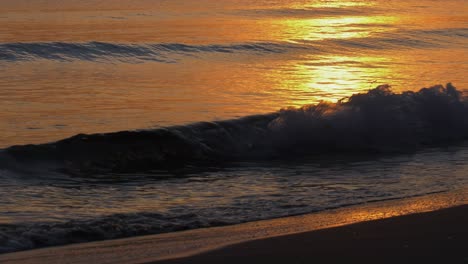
(92, 51)
(378, 121)
(394, 40)
(312, 12)
(173, 52)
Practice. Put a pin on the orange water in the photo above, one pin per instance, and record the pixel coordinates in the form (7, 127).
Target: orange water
(339, 48)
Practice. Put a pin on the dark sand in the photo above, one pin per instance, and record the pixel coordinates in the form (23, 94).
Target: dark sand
(434, 237)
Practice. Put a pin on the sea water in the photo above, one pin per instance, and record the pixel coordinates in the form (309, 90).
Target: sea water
(172, 111)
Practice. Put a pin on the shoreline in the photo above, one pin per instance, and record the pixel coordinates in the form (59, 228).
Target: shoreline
(188, 243)
(432, 237)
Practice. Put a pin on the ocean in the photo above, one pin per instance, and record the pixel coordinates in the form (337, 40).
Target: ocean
(121, 118)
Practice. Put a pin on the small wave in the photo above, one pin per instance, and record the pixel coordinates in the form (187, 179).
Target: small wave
(395, 40)
(94, 51)
(449, 32)
(376, 121)
(312, 12)
(14, 237)
(172, 52)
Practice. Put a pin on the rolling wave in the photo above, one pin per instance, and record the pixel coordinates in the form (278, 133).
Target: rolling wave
(172, 52)
(92, 51)
(378, 121)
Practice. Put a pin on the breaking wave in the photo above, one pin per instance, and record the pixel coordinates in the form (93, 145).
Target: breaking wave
(379, 121)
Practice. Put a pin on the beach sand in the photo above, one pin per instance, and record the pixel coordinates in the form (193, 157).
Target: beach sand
(430, 228)
(435, 237)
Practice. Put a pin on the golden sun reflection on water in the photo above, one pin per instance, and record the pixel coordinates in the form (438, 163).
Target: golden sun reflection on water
(336, 27)
(332, 78)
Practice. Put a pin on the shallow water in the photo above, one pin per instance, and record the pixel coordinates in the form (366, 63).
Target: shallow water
(239, 192)
(70, 67)
(53, 209)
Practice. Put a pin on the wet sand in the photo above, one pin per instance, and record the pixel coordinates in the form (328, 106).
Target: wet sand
(435, 237)
(430, 228)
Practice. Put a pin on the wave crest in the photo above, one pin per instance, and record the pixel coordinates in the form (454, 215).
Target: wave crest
(377, 121)
(172, 52)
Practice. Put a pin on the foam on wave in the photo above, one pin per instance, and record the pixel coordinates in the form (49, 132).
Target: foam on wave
(15, 237)
(376, 121)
